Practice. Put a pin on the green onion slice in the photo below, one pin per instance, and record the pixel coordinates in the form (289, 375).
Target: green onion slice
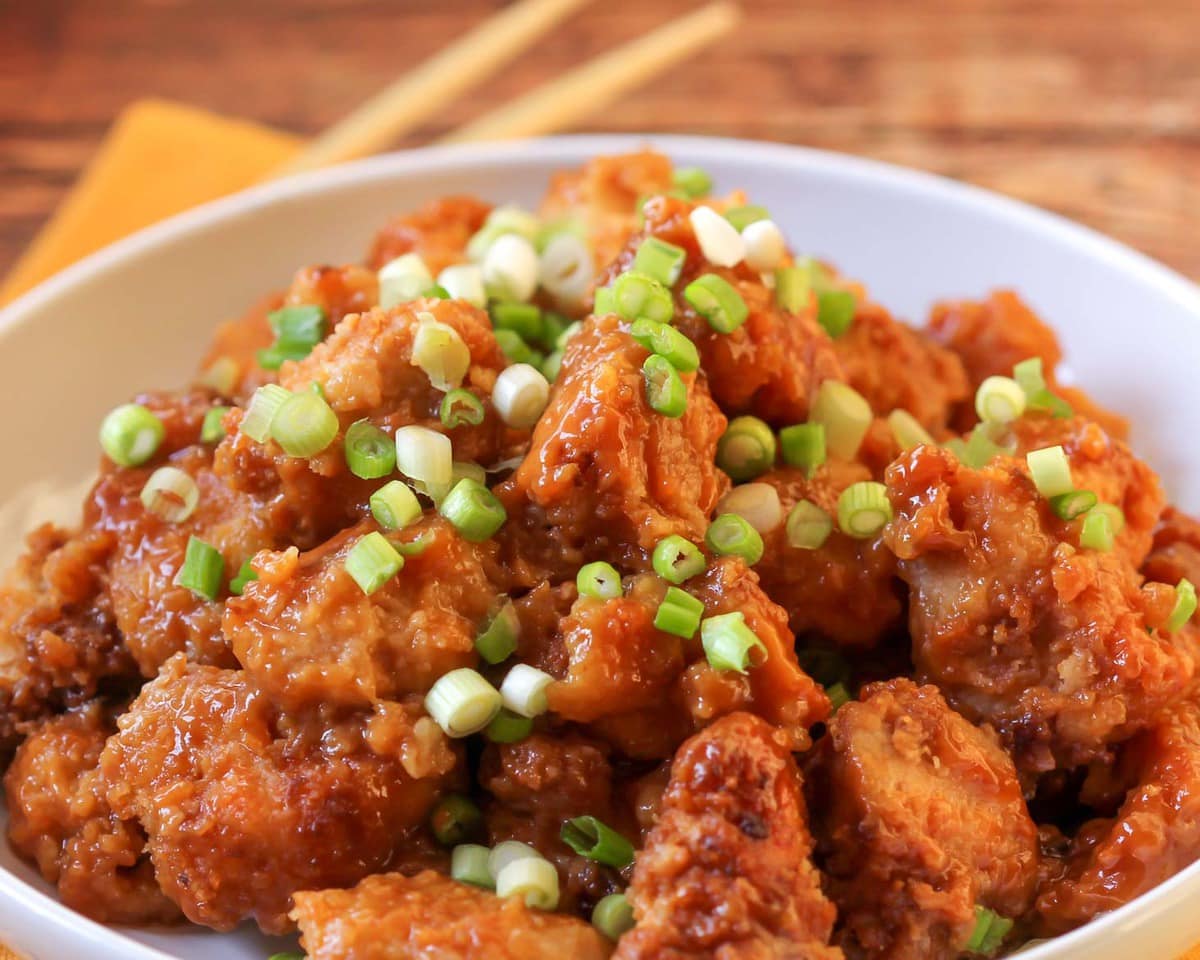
(304, 425)
(454, 820)
(679, 613)
(732, 535)
(260, 412)
(1030, 376)
(808, 526)
(515, 349)
(459, 408)
(462, 702)
(508, 852)
(1069, 506)
(596, 840)
(221, 375)
(637, 295)
(677, 559)
(372, 562)
(863, 509)
(524, 319)
(1185, 606)
(999, 400)
(729, 644)
(835, 311)
(498, 640)
(660, 260)
(203, 569)
(746, 448)
(533, 879)
(838, 696)
(803, 446)
(667, 342)
(599, 580)
(1116, 516)
(524, 690)
(425, 455)
(717, 301)
(742, 217)
(845, 415)
(693, 181)
(469, 864)
(394, 505)
(989, 932)
(907, 430)
(604, 301)
(297, 330)
(370, 453)
(474, 510)
(402, 280)
(793, 288)
(756, 503)
(212, 430)
(665, 390)
(508, 727)
(1096, 532)
(246, 573)
(130, 435)
(613, 916)
(170, 494)
(1051, 471)
(520, 395)
(440, 351)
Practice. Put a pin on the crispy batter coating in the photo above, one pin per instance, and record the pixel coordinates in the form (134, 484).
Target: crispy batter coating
(725, 873)
(438, 232)
(308, 635)
(1155, 834)
(845, 591)
(773, 363)
(430, 917)
(920, 817)
(607, 477)
(1175, 552)
(59, 819)
(994, 335)
(1018, 625)
(898, 368)
(244, 805)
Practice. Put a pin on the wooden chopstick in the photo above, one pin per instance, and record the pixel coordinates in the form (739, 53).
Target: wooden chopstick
(420, 93)
(599, 82)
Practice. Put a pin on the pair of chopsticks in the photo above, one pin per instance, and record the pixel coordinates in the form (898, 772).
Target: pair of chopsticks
(420, 94)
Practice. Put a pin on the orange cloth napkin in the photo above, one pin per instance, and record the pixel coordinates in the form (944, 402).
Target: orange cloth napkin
(159, 159)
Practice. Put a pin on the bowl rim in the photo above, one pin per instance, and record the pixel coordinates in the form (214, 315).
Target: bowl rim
(564, 150)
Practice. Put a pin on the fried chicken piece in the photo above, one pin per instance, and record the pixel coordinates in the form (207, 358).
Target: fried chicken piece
(846, 591)
(607, 477)
(238, 341)
(438, 232)
(431, 917)
(769, 366)
(1175, 552)
(898, 368)
(920, 818)
(1017, 624)
(725, 872)
(307, 633)
(1155, 834)
(994, 335)
(244, 805)
(604, 195)
(59, 819)
(538, 784)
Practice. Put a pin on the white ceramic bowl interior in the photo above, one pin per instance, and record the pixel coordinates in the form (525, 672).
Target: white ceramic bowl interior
(136, 315)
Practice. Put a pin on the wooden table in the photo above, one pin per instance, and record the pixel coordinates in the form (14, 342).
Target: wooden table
(1089, 107)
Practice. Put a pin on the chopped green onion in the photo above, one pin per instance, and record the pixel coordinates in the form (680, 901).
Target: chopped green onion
(980, 448)
(246, 573)
(439, 350)
(515, 349)
(731, 535)
(569, 332)
(425, 455)
(679, 613)
(637, 296)
(835, 311)
(1116, 516)
(403, 280)
(524, 690)
(304, 425)
(756, 503)
(604, 301)
(676, 559)
(1096, 532)
(264, 404)
(520, 395)
(597, 841)
(660, 260)
(522, 318)
(370, 453)
(416, 546)
(863, 509)
(803, 446)
(510, 268)
(555, 327)
(287, 956)
(999, 400)
(599, 580)
(508, 727)
(469, 864)
(666, 341)
(498, 640)
(552, 365)
(665, 390)
(838, 696)
(566, 268)
(907, 430)
(464, 281)
(613, 916)
(1050, 403)
(454, 820)
(1030, 376)
(372, 562)
(729, 644)
(1068, 506)
(1185, 606)
(474, 510)
(717, 301)
(845, 415)
(438, 292)
(297, 330)
(503, 219)
(533, 879)
(221, 375)
(693, 181)
(808, 526)
(989, 932)
(170, 494)
(212, 430)
(130, 435)
(508, 852)
(742, 217)
(203, 569)
(462, 702)
(793, 287)
(1051, 471)
(394, 505)
(746, 448)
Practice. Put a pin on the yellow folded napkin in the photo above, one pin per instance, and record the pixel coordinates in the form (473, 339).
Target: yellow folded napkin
(159, 159)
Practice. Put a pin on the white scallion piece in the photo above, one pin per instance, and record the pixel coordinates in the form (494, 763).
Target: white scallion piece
(535, 881)
(402, 280)
(510, 268)
(524, 690)
(756, 503)
(520, 395)
(170, 494)
(765, 246)
(462, 702)
(425, 455)
(566, 269)
(440, 352)
(464, 281)
(719, 240)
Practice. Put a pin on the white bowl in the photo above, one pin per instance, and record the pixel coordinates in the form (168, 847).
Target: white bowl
(136, 314)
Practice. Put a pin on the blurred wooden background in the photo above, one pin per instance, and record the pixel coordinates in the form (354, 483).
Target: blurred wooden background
(1089, 107)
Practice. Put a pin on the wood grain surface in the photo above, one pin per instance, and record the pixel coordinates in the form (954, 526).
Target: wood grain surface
(1089, 107)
